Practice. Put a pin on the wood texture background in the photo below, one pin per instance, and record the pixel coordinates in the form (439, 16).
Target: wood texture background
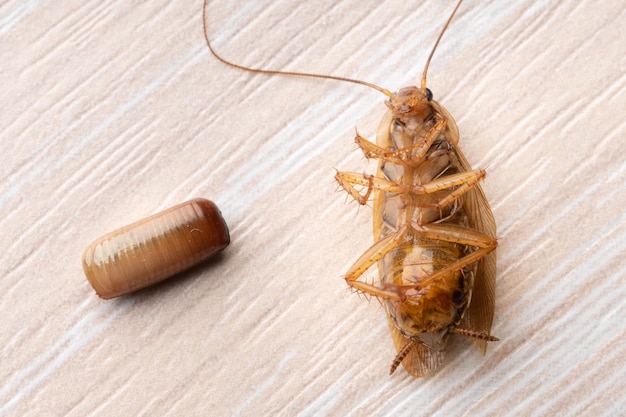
(113, 110)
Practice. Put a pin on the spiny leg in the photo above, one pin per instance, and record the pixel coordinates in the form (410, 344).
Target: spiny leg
(348, 180)
(369, 258)
(449, 181)
(459, 235)
(455, 234)
(402, 156)
(457, 266)
(444, 232)
(464, 180)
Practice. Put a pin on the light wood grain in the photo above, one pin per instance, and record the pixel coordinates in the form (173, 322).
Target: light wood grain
(111, 111)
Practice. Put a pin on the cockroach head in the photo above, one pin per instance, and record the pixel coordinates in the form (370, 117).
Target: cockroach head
(410, 102)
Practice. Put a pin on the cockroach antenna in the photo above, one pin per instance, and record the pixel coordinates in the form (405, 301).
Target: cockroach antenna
(276, 72)
(432, 52)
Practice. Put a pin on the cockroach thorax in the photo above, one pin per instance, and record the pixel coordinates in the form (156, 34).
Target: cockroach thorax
(410, 102)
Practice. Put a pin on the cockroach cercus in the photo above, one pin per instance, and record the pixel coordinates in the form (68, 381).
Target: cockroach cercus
(434, 231)
(155, 248)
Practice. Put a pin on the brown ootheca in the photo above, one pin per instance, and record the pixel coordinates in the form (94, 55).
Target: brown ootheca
(434, 231)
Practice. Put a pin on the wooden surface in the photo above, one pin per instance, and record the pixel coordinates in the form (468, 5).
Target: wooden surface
(111, 111)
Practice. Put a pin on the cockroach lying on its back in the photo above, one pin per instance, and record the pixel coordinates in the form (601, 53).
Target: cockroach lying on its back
(433, 227)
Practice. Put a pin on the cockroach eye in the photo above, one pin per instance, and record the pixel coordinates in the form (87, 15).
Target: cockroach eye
(429, 94)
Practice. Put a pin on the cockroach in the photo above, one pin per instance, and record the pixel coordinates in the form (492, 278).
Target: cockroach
(434, 231)
(155, 248)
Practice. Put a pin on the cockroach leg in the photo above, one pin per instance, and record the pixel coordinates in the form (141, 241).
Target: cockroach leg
(369, 258)
(465, 179)
(404, 155)
(458, 265)
(443, 232)
(456, 234)
(348, 180)
(378, 292)
(415, 153)
(472, 178)
(370, 149)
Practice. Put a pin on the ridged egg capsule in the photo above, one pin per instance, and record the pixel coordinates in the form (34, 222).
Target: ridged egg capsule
(155, 248)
